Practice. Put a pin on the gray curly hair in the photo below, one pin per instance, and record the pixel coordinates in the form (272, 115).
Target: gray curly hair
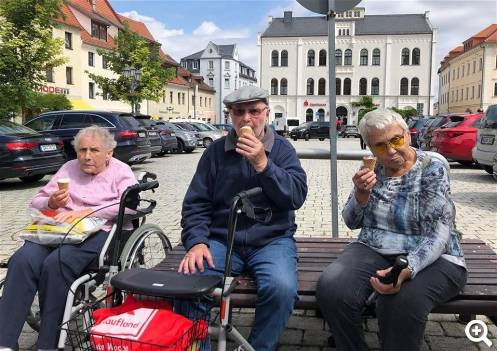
(95, 131)
(379, 119)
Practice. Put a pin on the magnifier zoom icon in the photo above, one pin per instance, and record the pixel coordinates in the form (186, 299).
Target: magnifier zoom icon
(477, 331)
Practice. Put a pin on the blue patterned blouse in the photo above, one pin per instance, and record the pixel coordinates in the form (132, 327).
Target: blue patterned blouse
(411, 214)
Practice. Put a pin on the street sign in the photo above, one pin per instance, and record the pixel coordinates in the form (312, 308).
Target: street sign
(322, 6)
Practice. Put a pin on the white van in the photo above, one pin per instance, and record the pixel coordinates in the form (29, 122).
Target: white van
(486, 142)
(284, 125)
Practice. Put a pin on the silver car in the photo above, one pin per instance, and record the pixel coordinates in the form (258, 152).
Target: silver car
(207, 132)
(187, 141)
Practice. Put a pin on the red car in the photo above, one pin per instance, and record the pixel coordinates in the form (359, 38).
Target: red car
(456, 138)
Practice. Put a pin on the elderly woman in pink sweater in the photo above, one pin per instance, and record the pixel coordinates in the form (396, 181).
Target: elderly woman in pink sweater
(97, 180)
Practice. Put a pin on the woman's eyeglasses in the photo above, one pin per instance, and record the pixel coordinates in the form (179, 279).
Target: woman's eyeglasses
(395, 143)
(253, 112)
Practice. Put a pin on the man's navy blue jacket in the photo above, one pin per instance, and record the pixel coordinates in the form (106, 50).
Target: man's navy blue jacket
(222, 173)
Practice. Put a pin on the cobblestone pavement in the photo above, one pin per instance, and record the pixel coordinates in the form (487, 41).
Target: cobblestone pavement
(474, 193)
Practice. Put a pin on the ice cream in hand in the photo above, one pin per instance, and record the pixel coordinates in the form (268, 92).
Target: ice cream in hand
(245, 131)
(63, 183)
(369, 162)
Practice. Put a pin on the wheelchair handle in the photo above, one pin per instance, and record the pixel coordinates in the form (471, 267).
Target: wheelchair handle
(246, 194)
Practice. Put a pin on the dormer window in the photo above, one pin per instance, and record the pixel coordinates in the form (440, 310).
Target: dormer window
(98, 30)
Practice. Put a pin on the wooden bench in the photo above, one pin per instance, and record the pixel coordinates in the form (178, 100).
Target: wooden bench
(479, 296)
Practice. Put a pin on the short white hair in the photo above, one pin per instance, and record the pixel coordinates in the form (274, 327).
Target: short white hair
(380, 119)
(103, 134)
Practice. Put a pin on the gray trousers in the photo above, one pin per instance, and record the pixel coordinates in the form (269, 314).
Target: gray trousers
(344, 287)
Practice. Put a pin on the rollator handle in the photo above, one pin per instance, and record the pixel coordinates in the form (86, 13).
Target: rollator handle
(393, 276)
(250, 193)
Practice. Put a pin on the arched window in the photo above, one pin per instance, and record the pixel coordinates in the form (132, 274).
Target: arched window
(416, 56)
(321, 86)
(310, 58)
(322, 57)
(320, 114)
(274, 58)
(283, 86)
(404, 86)
(364, 57)
(338, 86)
(310, 86)
(309, 115)
(348, 57)
(346, 86)
(284, 58)
(363, 86)
(415, 86)
(274, 86)
(338, 57)
(405, 57)
(375, 86)
(376, 57)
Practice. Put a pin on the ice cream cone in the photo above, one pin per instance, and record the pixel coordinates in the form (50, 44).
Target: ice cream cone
(246, 130)
(63, 183)
(369, 162)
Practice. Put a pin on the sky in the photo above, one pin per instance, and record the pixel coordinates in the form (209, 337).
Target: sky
(185, 27)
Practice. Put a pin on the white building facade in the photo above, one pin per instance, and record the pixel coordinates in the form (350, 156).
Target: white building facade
(222, 70)
(390, 58)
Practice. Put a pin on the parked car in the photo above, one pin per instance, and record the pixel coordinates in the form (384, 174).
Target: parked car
(350, 131)
(311, 130)
(494, 167)
(415, 125)
(188, 127)
(437, 122)
(224, 128)
(207, 132)
(152, 133)
(486, 142)
(186, 140)
(168, 138)
(27, 154)
(133, 145)
(456, 138)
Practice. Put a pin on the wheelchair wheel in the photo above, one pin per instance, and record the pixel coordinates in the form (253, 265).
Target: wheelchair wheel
(33, 317)
(147, 247)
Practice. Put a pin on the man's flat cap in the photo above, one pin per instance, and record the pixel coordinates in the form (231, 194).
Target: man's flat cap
(246, 93)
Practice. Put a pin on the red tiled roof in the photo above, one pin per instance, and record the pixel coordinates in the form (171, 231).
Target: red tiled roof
(102, 8)
(485, 33)
(68, 17)
(167, 58)
(138, 27)
(88, 39)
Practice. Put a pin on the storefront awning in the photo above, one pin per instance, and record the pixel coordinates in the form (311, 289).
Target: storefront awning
(80, 104)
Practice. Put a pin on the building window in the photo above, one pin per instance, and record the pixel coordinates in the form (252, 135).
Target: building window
(474, 66)
(462, 70)
(183, 98)
(479, 91)
(200, 101)
(363, 86)
(179, 98)
(467, 69)
(338, 57)
(49, 74)
(68, 40)
(98, 30)
(348, 57)
(472, 92)
(164, 97)
(69, 75)
(364, 57)
(309, 115)
(347, 84)
(376, 57)
(416, 56)
(405, 57)
(226, 83)
(91, 90)
(321, 86)
(193, 100)
(211, 81)
(91, 59)
(338, 87)
(274, 86)
(105, 62)
(481, 64)
(495, 89)
(310, 86)
(274, 58)
(415, 86)
(404, 86)
(322, 57)
(310, 58)
(226, 65)
(284, 58)
(211, 64)
(375, 86)
(195, 64)
(357, 13)
(171, 97)
(467, 93)
(283, 87)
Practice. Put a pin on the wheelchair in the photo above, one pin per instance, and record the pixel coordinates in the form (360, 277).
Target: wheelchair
(145, 247)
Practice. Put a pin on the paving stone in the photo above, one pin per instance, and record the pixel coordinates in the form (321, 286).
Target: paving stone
(316, 338)
(433, 328)
(291, 337)
(307, 323)
(454, 329)
(372, 325)
(372, 340)
(442, 343)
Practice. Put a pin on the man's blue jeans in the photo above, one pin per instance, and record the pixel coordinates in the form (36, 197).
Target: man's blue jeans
(274, 268)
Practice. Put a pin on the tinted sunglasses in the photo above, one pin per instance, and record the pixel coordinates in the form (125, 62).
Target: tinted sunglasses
(395, 143)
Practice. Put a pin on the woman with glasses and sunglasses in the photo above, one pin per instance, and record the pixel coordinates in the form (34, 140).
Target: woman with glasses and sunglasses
(403, 207)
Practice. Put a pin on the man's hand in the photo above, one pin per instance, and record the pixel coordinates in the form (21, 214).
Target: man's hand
(70, 216)
(59, 199)
(195, 258)
(364, 180)
(253, 150)
(388, 289)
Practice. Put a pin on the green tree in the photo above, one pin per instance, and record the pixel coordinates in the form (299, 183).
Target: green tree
(27, 50)
(46, 102)
(133, 51)
(406, 112)
(365, 104)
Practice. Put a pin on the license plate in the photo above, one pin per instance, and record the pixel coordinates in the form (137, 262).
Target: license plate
(152, 133)
(141, 135)
(487, 140)
(48, 147)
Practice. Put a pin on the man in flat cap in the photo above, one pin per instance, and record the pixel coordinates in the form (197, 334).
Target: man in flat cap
(251, 155)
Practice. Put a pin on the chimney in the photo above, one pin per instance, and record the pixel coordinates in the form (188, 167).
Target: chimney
(94, 4)
(287, 17)
(269, 19)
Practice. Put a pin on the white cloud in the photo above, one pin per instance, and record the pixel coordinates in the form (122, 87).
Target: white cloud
(206, 28)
